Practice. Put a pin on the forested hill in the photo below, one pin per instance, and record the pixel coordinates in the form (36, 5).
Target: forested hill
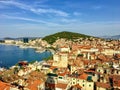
(67, 35)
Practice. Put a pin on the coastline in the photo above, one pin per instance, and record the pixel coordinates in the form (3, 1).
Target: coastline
(31, 56)
(37, 49)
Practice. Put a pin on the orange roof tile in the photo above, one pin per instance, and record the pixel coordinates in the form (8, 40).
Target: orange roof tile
(64, 47)
(102, 57)
(103, 85)
(87, 47)
(116, 80)
(34, 84)
(50, 85)
(53, 67)
(4, 86)
(61, 85)
(86, 62)
(83, 76)
(77, 86)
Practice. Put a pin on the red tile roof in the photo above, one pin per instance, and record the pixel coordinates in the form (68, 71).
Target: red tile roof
(61, 85)
(116, 80)
(103, 57)
(103, 85)
(49, 85)
(53, 67)
(86, 62)
(77, 86)
(64, 47)
(4, 86)
(34, 84)
(83, 76)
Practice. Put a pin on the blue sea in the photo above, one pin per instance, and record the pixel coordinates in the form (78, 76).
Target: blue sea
(10, 55)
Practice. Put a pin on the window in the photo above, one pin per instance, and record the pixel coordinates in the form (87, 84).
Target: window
(89, 85)
(60, 78)
(105, 71)
(117, 72)
(50, 81)
(83, 85)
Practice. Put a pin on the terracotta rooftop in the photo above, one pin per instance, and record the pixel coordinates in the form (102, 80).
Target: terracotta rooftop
(116, 80)
(64, 47)
(87, 47)
(117, 55)
(83, 76)
(103, 57)
(61, 85)
(103, 85)
(117, 77)
(50, 85)
(86, 62)
(4, 86)
(34, 84)
(53, 67)
(80, 71)
(77, 86)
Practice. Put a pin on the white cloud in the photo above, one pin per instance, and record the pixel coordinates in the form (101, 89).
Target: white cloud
(20, 5)
(64, 20)
(93, 28)
(77, 13)
(51, 11)
(28, 19)
(35, 10)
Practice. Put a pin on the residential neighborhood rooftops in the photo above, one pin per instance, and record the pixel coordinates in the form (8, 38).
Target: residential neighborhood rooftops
(4, 86)
(34, 84)
(61, 86)
(103, 85)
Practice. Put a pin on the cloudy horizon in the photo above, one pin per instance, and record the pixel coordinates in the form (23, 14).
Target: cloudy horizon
(38, 18)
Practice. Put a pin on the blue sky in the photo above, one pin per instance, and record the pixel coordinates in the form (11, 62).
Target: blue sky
(38, 18)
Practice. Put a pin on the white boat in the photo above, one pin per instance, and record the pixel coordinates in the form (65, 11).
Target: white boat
(24, 47)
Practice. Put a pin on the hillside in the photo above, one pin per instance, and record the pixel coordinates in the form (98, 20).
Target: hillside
(67, 35)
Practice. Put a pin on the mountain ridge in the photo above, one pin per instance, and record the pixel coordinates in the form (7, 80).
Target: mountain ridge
(116, 37)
